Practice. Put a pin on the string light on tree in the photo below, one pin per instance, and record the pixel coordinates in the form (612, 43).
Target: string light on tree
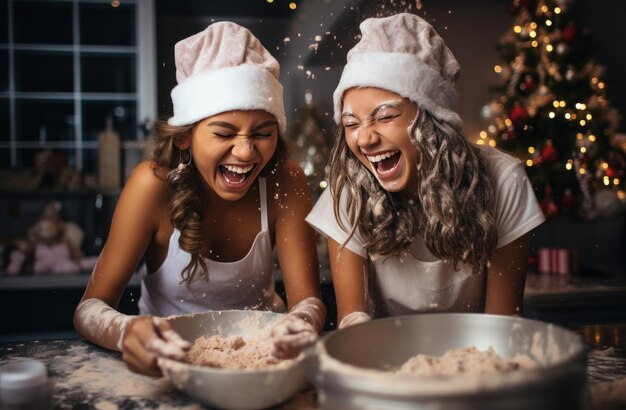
(550, 109)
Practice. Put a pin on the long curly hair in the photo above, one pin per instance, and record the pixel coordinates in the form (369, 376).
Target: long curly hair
(186, 209)
(453, 212)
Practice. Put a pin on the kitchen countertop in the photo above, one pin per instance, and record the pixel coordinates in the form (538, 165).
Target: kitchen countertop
(576, 300)
(542, 285)
(47, 303)
(84, 376)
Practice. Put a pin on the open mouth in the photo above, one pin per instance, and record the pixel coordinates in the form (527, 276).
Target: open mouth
(385, 164)
(235, 176)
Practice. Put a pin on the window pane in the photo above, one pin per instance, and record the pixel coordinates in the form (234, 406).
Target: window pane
(4, 120)
(122, 113)
(42, 22)
(110, 73)
(98, 20)
(45, 120)
(4, 28)
(90, 161)
(5, 161)
(30, 76)
(4, 70)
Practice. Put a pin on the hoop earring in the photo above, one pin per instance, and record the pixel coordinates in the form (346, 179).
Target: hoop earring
(184, 164)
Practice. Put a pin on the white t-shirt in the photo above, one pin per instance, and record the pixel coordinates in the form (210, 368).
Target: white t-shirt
(417, 281)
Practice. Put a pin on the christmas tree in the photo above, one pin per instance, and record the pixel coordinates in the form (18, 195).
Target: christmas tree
(551, 111)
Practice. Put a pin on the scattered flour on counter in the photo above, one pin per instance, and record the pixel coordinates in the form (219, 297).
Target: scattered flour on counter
(108, 379)
(469, 361)
(606, 374)
(98, 374)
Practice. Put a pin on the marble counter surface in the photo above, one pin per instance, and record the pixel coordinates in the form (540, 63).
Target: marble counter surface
(84, 376)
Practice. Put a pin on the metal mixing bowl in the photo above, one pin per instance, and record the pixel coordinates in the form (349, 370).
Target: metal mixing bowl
(231, 389)
(350, 367)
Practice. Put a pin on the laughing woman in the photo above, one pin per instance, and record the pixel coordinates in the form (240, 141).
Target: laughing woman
(207, 210)
(417, 218)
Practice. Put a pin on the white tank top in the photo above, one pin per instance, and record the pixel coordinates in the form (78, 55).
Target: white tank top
(248, 283)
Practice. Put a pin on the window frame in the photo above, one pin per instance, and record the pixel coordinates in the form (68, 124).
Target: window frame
(144, 74)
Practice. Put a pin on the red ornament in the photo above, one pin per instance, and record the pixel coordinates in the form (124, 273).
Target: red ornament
(616, 167)
(568, 199)
(569, 33)
(548, 152)
(518, 115)
(548, 206)
(529, 85)
(610, 172)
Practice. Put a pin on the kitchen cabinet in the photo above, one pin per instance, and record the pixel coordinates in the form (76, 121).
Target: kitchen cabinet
(37, 304)
(92, 211)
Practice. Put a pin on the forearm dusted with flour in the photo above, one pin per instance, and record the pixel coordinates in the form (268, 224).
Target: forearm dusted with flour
(354, 318)
(311, 310)
(99, 323)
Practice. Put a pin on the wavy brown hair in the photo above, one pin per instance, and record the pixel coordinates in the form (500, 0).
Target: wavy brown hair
(453, 212)
(185, 184)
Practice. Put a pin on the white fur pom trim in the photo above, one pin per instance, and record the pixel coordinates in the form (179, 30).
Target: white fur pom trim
(243, 87)
(403, 74)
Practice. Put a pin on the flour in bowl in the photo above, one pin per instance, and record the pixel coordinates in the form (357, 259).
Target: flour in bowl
(233, 353)
(469, 361)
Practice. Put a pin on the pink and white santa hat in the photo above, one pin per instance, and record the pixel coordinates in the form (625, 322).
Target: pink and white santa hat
(404, 54)
(224, 68)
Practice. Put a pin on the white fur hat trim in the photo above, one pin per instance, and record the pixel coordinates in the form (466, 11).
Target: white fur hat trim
(242, 87)
(405, 75)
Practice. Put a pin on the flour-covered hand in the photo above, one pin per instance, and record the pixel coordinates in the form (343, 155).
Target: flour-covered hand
(147, 339)
(167, 342)
(354, 318)
(141, 339)
(290, 334)
(298, 329)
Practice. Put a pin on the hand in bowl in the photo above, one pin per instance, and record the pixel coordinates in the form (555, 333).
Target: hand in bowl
(148, 338)
(290, 334)
(298, 329)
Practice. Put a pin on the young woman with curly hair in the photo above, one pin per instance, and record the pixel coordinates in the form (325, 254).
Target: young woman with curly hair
(417, 218)
(207, 210)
